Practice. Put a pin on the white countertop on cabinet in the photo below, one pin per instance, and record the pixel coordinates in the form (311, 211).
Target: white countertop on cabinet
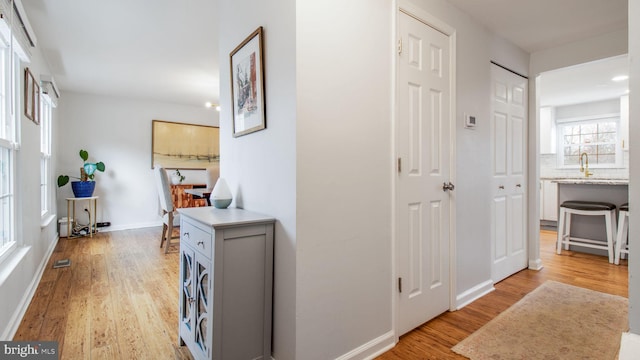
(224, 218)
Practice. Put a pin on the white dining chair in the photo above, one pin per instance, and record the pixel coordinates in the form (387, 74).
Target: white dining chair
(213, 173)
(170, 217)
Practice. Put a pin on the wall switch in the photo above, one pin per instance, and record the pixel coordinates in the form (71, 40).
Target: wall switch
(469, 121)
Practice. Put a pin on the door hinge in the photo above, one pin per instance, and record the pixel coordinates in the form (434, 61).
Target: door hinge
(399, 46)
(399, 284)
(399, 165)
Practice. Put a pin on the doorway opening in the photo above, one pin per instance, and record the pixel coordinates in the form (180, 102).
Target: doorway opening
(581, 109)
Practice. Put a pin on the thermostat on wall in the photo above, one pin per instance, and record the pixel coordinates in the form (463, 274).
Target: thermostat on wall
(469, 121)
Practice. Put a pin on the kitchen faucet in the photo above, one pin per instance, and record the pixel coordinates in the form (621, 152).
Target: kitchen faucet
(585, 168)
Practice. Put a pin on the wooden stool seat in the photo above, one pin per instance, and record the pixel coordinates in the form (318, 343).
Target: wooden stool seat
(586, 208)
(622, 238)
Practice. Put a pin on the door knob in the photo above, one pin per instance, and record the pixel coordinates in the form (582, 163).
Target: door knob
(501, 187)
(447, 187)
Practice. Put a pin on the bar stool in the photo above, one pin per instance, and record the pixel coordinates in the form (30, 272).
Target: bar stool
(587, 208)
(622, 246)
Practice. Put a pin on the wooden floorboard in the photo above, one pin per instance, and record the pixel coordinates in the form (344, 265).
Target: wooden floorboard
(119, 299)
(434, 339)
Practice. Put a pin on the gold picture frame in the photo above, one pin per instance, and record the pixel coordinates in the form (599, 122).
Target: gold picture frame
(247, 85)
(177, 145)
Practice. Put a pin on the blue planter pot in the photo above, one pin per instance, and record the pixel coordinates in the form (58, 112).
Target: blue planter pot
(83, 188)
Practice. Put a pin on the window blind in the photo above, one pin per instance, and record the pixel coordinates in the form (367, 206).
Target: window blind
(14, 23)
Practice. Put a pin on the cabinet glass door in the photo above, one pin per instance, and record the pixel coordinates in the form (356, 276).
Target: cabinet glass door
(203, 337)
(186, 288)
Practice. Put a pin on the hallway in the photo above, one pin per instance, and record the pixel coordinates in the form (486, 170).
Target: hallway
(434, 339)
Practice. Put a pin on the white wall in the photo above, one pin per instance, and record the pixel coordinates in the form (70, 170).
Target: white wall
(20, 273)
(117, 131)
(333, 257)
(579, 52)
(476, 48)
(260, 168)
(634, 168)
(344, 94)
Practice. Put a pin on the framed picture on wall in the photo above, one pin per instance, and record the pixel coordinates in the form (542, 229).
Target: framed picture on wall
(29, 105)
(36, 102)
(247, 85)
(184, 146)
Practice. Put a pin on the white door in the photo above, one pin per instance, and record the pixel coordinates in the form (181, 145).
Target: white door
(509, 188)
(423, 146)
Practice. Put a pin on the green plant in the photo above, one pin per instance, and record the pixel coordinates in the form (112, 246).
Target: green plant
(87, 171)
(177, 173)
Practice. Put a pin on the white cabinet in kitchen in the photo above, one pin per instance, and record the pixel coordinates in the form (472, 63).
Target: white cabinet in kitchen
(549, 201)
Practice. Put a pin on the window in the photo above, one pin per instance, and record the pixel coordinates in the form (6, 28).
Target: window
(598, 138)
(45, 155)
(9, 82)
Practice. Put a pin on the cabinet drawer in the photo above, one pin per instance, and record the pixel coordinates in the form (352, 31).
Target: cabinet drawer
(196, 238)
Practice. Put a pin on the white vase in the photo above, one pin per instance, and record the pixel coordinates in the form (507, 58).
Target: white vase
(221, 195)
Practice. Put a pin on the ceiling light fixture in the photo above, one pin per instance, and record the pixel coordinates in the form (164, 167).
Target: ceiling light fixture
(209, 105)
(620, 78)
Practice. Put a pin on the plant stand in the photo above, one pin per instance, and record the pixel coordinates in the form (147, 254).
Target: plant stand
(71, 214)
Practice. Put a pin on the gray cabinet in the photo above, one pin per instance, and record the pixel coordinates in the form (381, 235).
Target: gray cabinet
(226, 281)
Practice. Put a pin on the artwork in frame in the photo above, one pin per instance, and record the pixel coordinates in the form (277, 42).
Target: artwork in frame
(36, 102)
(184, 146)
(30, 95)
(247, 85)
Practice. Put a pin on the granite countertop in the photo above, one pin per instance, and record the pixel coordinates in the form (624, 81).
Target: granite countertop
(587, 181)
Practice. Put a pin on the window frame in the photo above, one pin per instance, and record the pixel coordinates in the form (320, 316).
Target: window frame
(46, 191)
(561, 125)
(10, 81)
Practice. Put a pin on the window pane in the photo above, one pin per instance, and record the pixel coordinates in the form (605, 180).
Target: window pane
(588, 138)
(589, 149)
(606, 150)
(607, 137)
(589, 129)
(596, 138)
(5, 171)
(5, 198)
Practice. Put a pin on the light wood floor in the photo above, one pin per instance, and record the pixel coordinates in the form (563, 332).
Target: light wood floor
(434, 339)
(118, 300)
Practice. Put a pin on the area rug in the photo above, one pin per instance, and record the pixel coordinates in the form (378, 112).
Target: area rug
(555, 321)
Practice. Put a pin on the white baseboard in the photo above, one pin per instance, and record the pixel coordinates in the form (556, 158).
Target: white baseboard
(371, 349)
(535, 264)
(15, 321)
(629, 346)
(130, 226)
(474, 293)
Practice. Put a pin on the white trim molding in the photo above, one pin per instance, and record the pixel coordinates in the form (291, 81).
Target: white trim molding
(16, 319)
(372, 349)
(474, 294)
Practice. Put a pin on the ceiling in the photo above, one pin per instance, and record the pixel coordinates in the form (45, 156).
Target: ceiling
(585, 82)
(152, 49)
(535, 25)
(167, 51)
